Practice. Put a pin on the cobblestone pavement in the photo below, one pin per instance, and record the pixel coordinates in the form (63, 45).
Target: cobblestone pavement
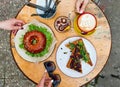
(11, 76)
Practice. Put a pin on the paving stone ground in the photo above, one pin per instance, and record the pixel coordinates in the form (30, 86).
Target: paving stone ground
(11, 76)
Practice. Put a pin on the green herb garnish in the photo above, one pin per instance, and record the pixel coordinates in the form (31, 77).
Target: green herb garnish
(82, 50)
(72, 46)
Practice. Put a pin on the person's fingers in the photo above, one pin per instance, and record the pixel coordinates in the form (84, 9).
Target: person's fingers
(16, 27)
(18, 24)
(18, 21)
(42, 80)
(47, 80)
(78, 5)
(82, 9)
(50, 83)
(14, 32)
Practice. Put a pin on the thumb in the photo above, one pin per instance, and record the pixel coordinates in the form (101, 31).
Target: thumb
(41, 83)
(78, 5)
(50, 83)
(14, 32)
(85, 3)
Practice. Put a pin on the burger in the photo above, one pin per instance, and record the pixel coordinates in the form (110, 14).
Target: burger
(35, 42)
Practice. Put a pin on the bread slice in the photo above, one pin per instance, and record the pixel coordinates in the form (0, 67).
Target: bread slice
(86, 55)
(79, 53)
(74, 62)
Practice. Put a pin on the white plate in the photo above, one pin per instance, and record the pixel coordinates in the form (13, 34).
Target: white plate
(22, 52)
(63, 55)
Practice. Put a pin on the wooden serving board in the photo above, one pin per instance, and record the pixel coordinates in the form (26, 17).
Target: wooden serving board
(101, 39)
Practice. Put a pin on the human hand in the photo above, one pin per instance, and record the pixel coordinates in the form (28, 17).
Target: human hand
(45, 81)
(11, 24)
(81, 5)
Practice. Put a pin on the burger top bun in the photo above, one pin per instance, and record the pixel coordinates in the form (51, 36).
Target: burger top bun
(86, 22)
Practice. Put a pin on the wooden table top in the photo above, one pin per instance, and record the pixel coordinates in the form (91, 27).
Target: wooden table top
(101, 39)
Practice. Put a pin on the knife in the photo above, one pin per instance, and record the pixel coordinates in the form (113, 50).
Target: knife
(56, 4)
(49, 3)
(46, 3)
(36, 6)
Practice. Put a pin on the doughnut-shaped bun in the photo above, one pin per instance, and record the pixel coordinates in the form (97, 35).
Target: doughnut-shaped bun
(34, 41)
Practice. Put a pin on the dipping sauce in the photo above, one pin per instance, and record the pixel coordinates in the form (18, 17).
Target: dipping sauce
(86, 22)
(62, 24)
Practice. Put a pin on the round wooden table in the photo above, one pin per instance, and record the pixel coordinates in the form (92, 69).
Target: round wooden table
(101, 39)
